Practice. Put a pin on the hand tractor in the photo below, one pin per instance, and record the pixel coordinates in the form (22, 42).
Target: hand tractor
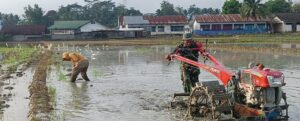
(254, 93)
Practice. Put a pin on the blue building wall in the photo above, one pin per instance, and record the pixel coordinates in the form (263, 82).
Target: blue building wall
(248, 28)
(228, 32)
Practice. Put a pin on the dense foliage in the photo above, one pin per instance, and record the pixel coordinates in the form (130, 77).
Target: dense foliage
(106, 12)
(231, 7)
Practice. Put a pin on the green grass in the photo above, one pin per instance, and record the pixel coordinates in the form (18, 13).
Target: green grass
(97, 73)
(61, 75)
(16, 55)
(258, 38)
(52, 93)
(55, 115)
(56, 60)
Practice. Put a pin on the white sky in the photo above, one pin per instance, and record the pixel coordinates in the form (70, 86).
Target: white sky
(145, 6)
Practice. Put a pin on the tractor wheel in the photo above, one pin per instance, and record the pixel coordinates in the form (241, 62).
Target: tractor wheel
(199, 103)
(204, 104)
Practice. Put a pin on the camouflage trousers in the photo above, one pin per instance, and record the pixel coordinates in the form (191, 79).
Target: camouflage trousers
(189, 77)
(82, 69)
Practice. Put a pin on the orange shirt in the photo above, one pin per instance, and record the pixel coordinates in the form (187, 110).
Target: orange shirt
(75, 58)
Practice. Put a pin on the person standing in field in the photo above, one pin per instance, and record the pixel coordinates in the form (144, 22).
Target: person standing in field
(80, 65)
(188, 49)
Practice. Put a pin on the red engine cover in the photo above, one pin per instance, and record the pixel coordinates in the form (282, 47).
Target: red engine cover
(259, 77)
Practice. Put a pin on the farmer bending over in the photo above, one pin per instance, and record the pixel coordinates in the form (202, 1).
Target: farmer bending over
(80, 65)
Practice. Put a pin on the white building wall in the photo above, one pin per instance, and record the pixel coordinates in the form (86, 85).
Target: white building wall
(167, 30)
(298, 27)
(287, 27)
(92, 27)
(62, 32)
(25, 37)
(196, 26)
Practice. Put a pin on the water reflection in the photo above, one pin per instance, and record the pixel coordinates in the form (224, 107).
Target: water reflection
(78, 103)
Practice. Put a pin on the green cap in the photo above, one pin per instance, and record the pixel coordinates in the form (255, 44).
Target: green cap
(187, 36)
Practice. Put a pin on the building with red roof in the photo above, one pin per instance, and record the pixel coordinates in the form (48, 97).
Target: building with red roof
(24, 32)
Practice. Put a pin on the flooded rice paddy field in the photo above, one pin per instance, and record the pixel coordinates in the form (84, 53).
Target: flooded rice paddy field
(133, 83)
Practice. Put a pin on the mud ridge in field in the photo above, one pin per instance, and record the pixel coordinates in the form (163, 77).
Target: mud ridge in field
(39, 95)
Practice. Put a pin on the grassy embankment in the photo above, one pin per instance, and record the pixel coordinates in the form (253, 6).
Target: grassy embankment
(259, 38)
(40, 93)
(175, 39)
(13, 57)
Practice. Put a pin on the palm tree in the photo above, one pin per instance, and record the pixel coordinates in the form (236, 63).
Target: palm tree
(254, 9)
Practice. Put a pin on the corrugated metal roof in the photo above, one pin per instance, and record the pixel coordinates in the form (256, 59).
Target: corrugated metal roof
(166, 19)
(24, 30)
(135, 20)
(68, 24)
(227, 18)
(289, 17)
(152, 20)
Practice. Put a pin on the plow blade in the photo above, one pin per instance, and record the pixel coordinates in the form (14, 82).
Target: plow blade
(181, 94)
(245, 111)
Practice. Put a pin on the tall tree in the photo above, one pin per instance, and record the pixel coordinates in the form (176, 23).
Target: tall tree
(121, 10)
(133, 12)
(194, 10)
(231, 7)
(103, 12)
(166, 8)
(252, 8)
(72, 12)
(50, 17)
(9, 19)
(278, 6)
(33, 15)
(296, 8)
(181, 11)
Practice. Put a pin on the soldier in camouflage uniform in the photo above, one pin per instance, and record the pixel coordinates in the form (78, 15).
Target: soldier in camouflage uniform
(189, 73)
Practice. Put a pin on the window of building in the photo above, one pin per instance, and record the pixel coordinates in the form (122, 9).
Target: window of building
(205, 27)
(249, 26)
(153, 29)
(227, 26)
(238, 26)
(216, 27)
(177, 28)
(261, 26)
(161, 29)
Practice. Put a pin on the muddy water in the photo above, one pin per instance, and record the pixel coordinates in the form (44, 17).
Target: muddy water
(131, 83)
(17, 98)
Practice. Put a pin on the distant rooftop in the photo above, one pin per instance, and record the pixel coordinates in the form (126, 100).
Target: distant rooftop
(152, 20)
(135, 20)
(289, 17)
(68, 24)
(227, 18)
(24, 29)
(166, 19)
